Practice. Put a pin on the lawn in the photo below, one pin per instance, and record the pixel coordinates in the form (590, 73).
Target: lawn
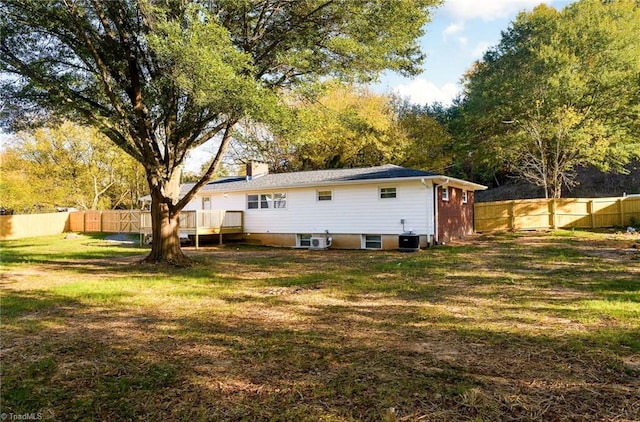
(512, 326)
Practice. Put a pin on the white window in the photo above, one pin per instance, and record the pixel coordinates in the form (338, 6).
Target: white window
(371, 241)
(253, 202)
(465, 197)
(206, 202)
(279, 200)
(386, 193)
(304, 240)
(325, 195)
(445, 193)
(267, 201)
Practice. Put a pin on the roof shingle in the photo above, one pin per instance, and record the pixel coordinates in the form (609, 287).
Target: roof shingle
(316, 177)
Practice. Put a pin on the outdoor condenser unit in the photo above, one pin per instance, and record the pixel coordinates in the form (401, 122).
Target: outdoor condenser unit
(409, 242)
(319, 243)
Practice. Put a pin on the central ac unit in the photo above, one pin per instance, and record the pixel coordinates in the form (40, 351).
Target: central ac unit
(318, 243)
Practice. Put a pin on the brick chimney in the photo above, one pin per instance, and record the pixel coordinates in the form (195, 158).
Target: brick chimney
(256, 169)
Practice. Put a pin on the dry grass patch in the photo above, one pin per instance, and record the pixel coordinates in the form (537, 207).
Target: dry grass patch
(532, 326)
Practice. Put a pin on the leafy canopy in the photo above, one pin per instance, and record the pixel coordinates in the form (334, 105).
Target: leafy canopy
(67, 165)
(162, 77)
(559, 91)
(348, 126)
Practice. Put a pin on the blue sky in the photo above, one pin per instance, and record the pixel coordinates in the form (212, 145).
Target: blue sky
(460, 32)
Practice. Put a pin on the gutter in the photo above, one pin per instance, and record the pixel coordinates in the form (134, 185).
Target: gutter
(442, 180)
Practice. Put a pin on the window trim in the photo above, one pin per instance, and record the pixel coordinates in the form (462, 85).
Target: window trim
(321, 195)
(303, 237)
(465, 196)
(364, 241)
(279, 200)
(256, 201)
(388, 192)
(266, 201)
(445, 189)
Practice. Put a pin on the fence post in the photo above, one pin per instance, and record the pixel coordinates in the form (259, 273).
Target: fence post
(621, 209)
(512, 215)
(593, 214)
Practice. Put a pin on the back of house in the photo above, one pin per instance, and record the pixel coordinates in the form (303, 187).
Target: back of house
(359, 208)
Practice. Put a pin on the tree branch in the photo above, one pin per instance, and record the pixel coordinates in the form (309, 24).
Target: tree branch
(212, 168)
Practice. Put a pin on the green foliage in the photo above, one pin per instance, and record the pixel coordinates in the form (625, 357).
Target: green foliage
(160, 78)
(175, 74)
(348, 126)
(559, 91)
(430, 143)
(68, 166)
(204, 63)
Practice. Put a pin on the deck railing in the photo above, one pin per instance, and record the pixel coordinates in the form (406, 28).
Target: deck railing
(202, 221)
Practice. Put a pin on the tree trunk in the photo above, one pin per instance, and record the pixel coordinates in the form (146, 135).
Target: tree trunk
(165, 246)
(165, 224)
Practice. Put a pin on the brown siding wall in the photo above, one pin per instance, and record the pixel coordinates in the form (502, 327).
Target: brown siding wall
(271, 239)
(455, 219)
(340, 241)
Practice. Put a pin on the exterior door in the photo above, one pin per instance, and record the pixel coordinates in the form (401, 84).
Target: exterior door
(206, 214)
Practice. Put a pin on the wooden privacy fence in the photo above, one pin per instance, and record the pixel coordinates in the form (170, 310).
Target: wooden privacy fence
(111, 221)
(196, 223)
(32, 225)
(534, 214)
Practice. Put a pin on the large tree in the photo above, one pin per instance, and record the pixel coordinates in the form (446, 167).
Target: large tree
(560, 90)
(162, 77)
(350, 126)
(346, 126)
(68, 165)
(430, 145)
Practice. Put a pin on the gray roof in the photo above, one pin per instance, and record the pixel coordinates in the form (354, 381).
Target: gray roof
(316, 177)
(323, 178)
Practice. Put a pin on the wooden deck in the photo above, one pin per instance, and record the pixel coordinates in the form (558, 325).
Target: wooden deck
(202, 222)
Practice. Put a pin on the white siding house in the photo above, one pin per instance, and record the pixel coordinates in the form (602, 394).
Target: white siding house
(357, 208)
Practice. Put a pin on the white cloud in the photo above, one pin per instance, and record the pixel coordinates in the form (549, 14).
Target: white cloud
(452, 31)
(480, 49)
(454, 28)
(421, 91)
(488, 10)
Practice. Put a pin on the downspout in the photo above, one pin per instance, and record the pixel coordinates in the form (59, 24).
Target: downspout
(435, 212)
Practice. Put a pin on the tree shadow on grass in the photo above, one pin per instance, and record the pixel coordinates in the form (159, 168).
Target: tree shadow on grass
(385, 338)
(293, 361)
